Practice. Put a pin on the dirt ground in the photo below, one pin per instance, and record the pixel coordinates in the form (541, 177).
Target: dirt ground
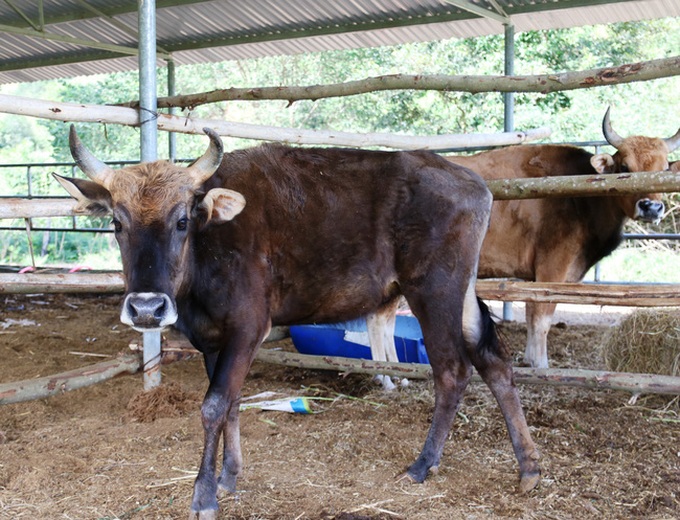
(86, 455)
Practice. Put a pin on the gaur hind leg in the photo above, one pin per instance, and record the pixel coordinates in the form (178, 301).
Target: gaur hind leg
(539, 318)
(493, 361)
(440, 316)
(380, 325)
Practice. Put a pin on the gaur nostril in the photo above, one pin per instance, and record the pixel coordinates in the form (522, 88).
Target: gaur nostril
(160, 310)
(148, 310)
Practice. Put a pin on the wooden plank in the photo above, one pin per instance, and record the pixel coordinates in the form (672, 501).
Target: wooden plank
(585, 185)
(502, 189)
(82, 282)
(62, 111)
(647, 295)
(595, 379)
(36, 208)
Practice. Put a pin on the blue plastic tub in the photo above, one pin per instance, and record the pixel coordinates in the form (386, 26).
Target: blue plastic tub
(350, 339)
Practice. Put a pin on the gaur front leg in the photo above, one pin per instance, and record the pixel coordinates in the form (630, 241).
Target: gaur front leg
(232, 461)
(219, 414)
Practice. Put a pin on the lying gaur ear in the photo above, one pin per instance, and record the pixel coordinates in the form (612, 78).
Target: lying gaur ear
(92, 198)
(603, 163)
(222, 205)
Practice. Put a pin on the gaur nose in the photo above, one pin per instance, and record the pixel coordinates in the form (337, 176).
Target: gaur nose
(651, 205)
(148, 310)
(648, 210)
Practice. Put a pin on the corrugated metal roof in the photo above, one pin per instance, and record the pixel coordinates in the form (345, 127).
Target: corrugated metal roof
(194, 31)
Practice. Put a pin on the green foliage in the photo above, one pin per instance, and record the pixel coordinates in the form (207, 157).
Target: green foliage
(637, 264)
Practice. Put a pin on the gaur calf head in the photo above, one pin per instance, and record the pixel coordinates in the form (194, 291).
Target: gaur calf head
(156, 207)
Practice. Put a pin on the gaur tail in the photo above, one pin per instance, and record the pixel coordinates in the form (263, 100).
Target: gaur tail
(490, 343)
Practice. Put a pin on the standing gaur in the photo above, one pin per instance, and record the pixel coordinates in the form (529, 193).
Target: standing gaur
(551, 239)
(235, 243)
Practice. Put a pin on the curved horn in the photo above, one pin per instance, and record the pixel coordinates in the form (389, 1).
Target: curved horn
(88, 163)
(205, 166)
(610, 135)
(673, 142)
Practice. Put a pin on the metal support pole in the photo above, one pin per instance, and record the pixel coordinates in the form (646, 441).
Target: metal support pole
(509, 113)
(172, 136)
(147, 80)
(509, 97)
(149, 151)
(152, 359)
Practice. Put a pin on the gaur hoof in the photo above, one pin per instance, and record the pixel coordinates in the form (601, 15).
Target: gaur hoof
(417, 477)
(407, 477)
(529, 481)
(226, 484)
(210, 514)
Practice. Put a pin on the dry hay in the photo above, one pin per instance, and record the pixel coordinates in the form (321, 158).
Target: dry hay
(167, 400)
(647, 341)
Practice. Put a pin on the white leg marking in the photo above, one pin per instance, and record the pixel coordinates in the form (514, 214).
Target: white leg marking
(538, 326)
(380, 327)
(472, 316)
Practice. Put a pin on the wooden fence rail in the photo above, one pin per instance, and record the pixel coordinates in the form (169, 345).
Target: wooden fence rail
(62, 111)
(637, 384)
(638, 295)
(502, 189)
(643, 295)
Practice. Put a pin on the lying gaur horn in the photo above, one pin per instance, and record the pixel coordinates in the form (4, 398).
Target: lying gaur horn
(205, 166)
(610, 135)
(88, 163)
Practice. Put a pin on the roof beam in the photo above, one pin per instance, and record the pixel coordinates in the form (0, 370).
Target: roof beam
(480, 11)
(120, 25)
(26, 18)
(329, 27)
(49, 61)
(31, 33)
(85, 13)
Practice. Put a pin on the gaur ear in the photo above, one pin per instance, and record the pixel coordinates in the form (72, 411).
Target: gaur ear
(222, 205)
(92, 197)
(674, 167)
(603, 163)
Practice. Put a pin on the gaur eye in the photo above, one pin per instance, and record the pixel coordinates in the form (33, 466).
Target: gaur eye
(117, 226)
(182, 223)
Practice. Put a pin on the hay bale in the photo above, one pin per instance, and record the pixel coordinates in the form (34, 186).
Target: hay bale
(647, 341)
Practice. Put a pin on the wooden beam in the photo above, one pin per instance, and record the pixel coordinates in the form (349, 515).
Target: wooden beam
(81, 282)
(36, 208)
(637, 384)
(129, 116)
(647, 295)
(502, 189)
(540, 83)
(596, 379)
(585, 185)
